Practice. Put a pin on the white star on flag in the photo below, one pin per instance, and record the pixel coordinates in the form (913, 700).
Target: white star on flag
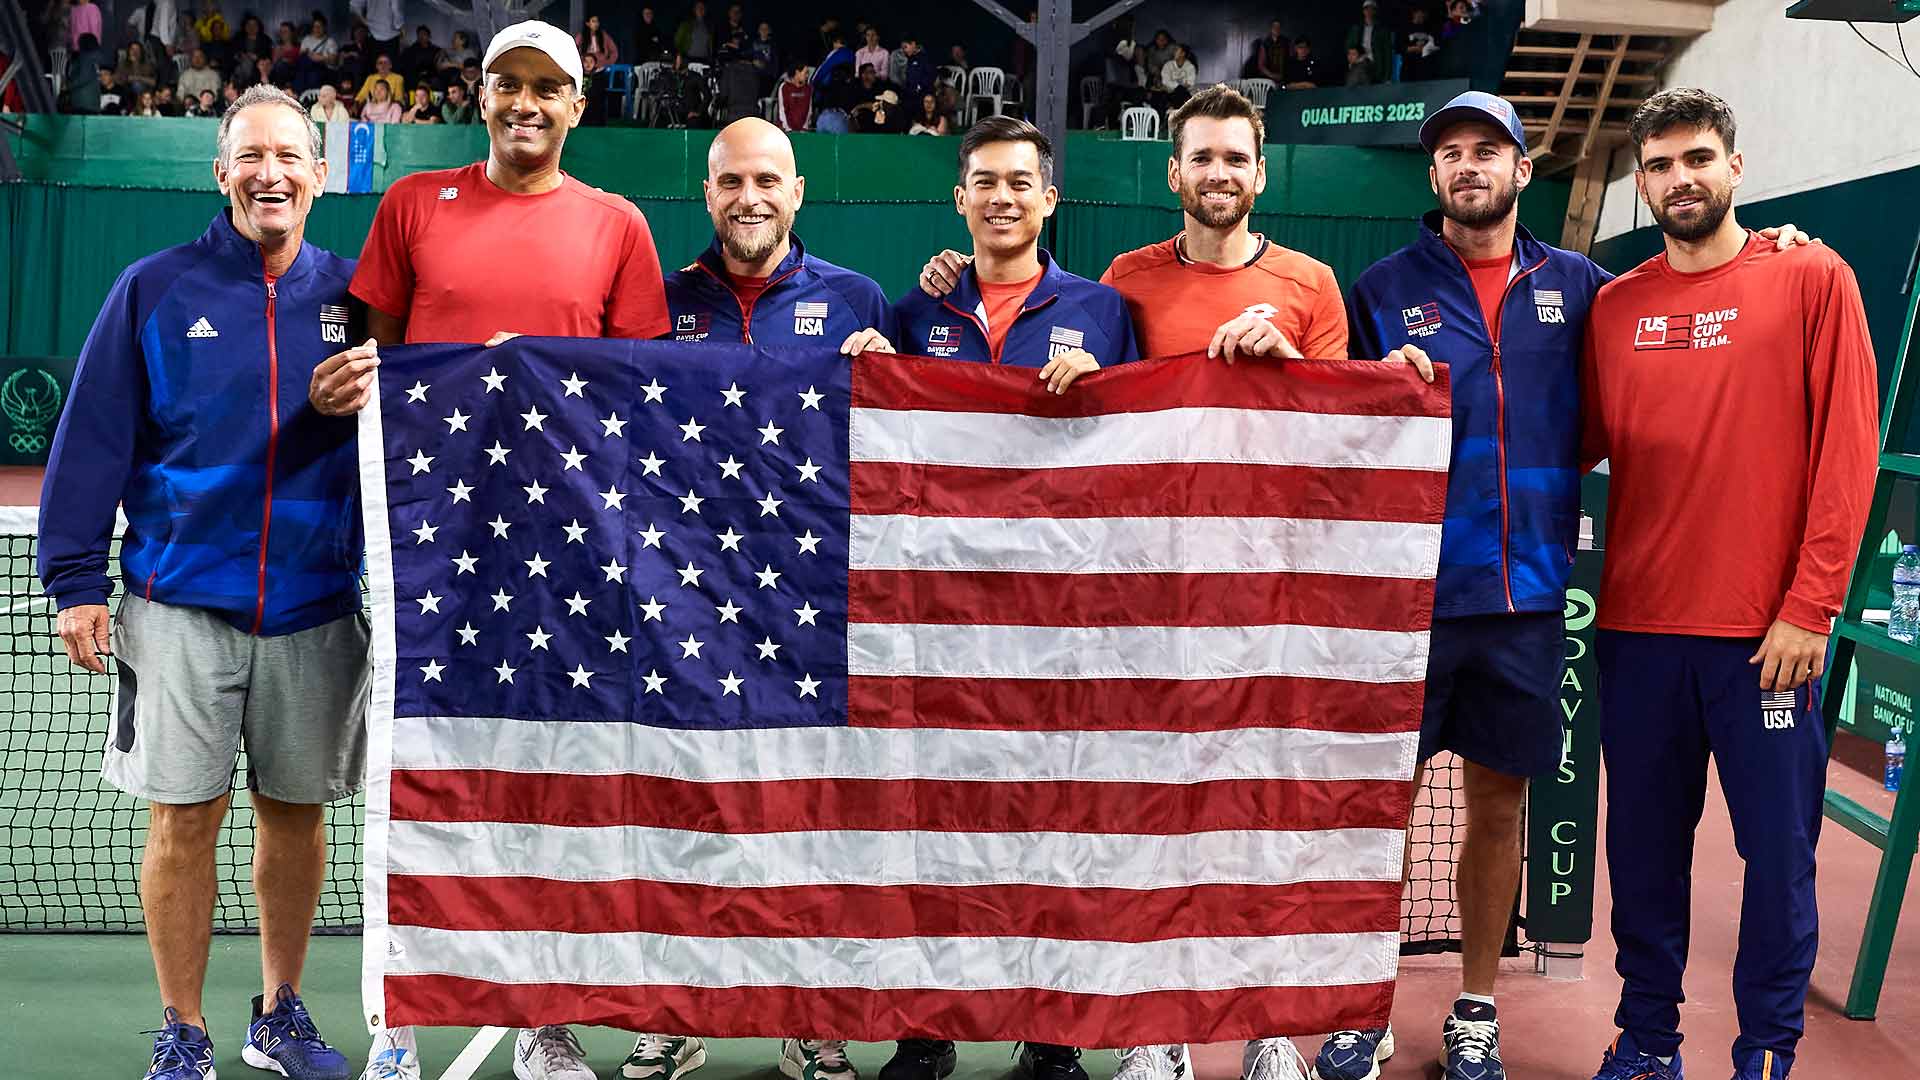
(615, 572)
(505, 672)
(733, 394)
(808, 686)
(468, 635)
(809, 471)
(654, 391)
(502, 600)
(464, 563)
(691, 430)
(690, 503)
(574, 385)
(580, 675)
(424, 534)
(576, 532)
(730, 685)
(652, 464)
(652, 608)
(534, 419)
(729, 540)
(573, 457)
(770, 434)
(806, 611)
(769, 506)
(655, 681)
(494, 380)
(499, 525)
(767, 648)
(810, 399)
(429, 602)
(613, 427)
(418, 391)
(690, 574)
(420, 462)
(535, 493)
(729, 612)
(497, 454)
(460, 491)
(650, 536)
(538, 639)
(456, 422)
(730, 469)
(577, 604)
(690, 648)
(612, 498)
(809, 543)
(767, 576)
(617, 642)
(537, 566)
(431, 672)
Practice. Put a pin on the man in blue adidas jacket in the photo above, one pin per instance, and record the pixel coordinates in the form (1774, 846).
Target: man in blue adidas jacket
(1013, 304)
(1507, 314)
(240, 620)
(756, 284)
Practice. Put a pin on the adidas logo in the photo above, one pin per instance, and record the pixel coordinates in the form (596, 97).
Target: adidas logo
(202, 328)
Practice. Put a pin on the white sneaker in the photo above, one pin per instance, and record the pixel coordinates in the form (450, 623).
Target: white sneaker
(1272, 1059)
(549, 1053)
(393, 1056)
(1165, 1062)
(664, 1057)
(816, 1059)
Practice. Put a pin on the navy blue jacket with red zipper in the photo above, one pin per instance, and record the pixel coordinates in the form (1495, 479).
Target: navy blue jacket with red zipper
(807, 301)
(1064, 311)
(189, 409)
(1513, 492)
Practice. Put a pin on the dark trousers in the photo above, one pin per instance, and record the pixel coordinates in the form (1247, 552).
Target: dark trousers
(1669, 703)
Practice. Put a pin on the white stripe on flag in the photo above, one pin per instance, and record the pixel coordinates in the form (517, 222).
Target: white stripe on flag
(902, 857)
(1142, 545)
(824, 753)
(338, 142)
(1251, 436)
(1135, 652)
(939, 963)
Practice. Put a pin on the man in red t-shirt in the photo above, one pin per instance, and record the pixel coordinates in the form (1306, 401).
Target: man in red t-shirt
(510, 245)
(1732, 386)
(576, 261)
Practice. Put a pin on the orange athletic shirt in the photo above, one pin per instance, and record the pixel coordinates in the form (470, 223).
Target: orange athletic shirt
(1002, 301)
(1490, 278)
(1739, 408)
(1177, 304)
(458, 258)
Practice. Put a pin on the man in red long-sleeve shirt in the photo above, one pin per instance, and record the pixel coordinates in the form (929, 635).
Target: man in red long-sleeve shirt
(1733, 388)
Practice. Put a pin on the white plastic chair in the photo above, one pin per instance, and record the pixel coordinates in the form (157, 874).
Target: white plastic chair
(953, 75)
(770, 109)
(1140, 123)
(985, 82)
(645, 99)
(1256, 90)
(308, 97)
(1092, 88)
(57, 67)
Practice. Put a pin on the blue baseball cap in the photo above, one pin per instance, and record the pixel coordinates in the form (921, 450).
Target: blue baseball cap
(1474, 105)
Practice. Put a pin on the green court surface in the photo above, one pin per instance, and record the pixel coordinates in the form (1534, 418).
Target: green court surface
(74, 1006)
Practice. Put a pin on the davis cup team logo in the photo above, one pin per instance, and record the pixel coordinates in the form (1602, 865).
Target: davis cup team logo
(30, 398)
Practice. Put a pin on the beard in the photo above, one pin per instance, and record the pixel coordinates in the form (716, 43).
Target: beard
(753, 248)
(1692, 230)
(1498, 205)
(1216, 217)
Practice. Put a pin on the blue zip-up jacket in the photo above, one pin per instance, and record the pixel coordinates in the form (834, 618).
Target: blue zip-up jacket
(1064, 311)
(189, 409)
(1513, 492)
(807, 301)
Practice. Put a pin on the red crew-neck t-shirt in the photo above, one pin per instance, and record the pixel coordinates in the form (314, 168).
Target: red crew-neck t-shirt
(458, 258)
(1002, 301)
(1490, 277)
(747, 289)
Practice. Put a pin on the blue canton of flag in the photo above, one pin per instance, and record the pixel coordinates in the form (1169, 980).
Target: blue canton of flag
(637, 531)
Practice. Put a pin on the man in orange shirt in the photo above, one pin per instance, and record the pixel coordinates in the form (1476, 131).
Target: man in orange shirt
(1733, 388)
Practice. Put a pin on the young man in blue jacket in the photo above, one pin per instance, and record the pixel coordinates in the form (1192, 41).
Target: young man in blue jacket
(1507, 314)
(756, 283)
(1012, 303)
(240, 620)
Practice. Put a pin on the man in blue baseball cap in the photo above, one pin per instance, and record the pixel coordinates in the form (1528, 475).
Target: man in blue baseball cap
(1508, 314)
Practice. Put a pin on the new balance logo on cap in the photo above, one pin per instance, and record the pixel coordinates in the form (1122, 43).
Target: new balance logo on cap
(202, 328)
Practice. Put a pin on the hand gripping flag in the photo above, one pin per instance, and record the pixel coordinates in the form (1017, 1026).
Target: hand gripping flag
(735, 691)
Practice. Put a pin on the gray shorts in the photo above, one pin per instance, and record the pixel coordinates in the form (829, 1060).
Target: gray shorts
(191, 691)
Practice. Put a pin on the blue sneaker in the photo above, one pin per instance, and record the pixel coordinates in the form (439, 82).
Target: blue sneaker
(1353, 1055)
(1765, 1065)
(286, 1042)
(1624, 1061)
(1471, 1035)
(180, 1051)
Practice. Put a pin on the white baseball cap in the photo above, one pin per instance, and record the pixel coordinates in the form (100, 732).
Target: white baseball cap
(534, 34)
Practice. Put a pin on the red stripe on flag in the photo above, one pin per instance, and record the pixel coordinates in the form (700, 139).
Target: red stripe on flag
(1133, 704)
(855, 911)
(1087, 1020)
(987, 598)
(1171, 489)
(1349, 387)
(974, 806)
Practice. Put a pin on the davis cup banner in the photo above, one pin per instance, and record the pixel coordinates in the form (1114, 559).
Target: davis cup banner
(743, 692)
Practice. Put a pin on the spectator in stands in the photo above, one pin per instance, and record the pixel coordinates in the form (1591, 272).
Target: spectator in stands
(650, 43)
(1269, 59)
(383, 75)
(356, 56)
(827, 38)
(229, 93)
(421, 59)
(597, 43)
(318, 46)
(683, 99)
(185, 40)
(135, 70)
(153, 24)
(1417, 47)
(734, 31)
(738, 91)
(930, 120)
(470, 78)
(957, 57)
(380, 107)
(164, 102)
(1359, 71)
(916, 74)
(384, 21)
(1158, 54)
(252, 41)
(198, 75)
(260, 75)
(206, 105)
(113, 94)
(1303, 71)
(286, 53)
(143, 105)
(458, 53)
(327, 107)
(1178, 75)
(881, 116)
(694, 38)
(56, 26)
(872, 53)
(211, 26)
(796, 100)
(83, 18)
(1126, 80)
(83, 87)
(1375, 43)
(1460, 13)
(422, 110)
(870, 86)
(765, 53)
(839, 59)
(458, 107)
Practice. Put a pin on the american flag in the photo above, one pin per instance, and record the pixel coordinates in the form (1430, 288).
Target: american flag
(745, 692)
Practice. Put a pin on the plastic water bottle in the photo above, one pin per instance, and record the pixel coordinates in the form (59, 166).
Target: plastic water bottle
(1903, 623)
(1896, 759)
